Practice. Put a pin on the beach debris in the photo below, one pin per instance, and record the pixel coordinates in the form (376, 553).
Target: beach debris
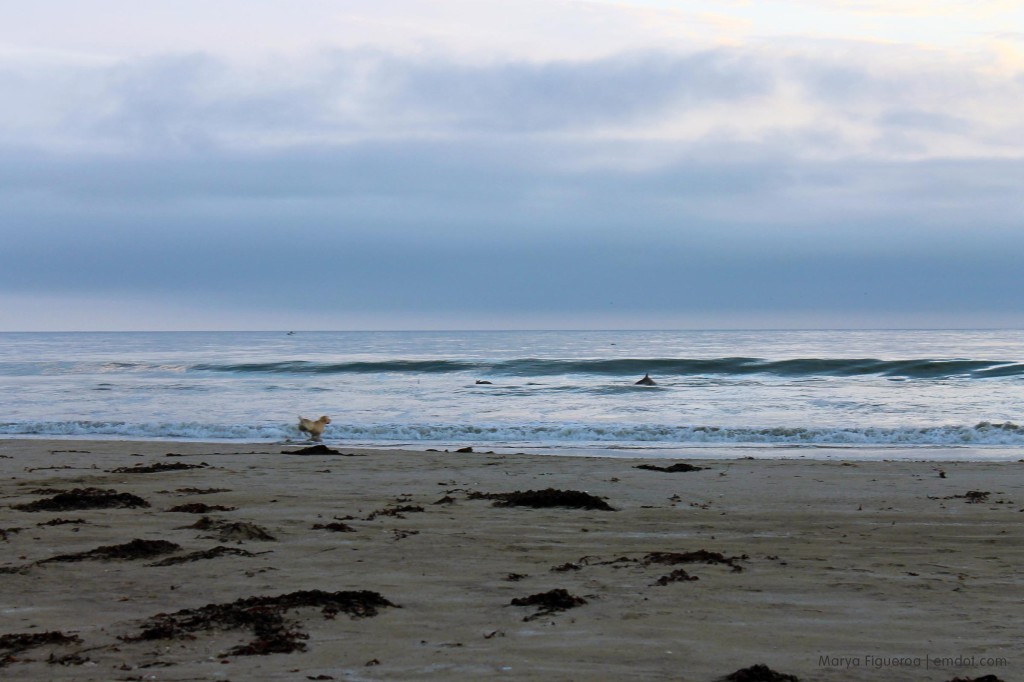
(136, 549)
(157, 468)
(674, 468)
(232, 530)
(61, 522)
(243, 530)
(399, 534)
(549, 602)
(701, 556)
(217, 551)
(465, 450)
(13, 644)
(263, 616)
(396, 512)
(336, 526)
(5, 531)
(646, 381)
(983, 678)
(550, 497)
(198, 491)
(970, 497)
(84, 498)
(567, 566)
(759, 673)
(447, 499)
(678, 575)
(515, 577)
(312, 450)
(200, 508)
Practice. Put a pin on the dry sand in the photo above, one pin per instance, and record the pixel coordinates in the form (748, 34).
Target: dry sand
(867, 561)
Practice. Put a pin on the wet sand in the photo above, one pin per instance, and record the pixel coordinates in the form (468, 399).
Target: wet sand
(824, 570)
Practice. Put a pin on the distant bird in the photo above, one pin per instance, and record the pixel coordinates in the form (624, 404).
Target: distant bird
(315, 428)
(646, 381)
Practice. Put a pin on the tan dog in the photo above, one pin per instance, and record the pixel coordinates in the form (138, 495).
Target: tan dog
(315, 429)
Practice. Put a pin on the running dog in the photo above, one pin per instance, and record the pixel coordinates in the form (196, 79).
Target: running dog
(315, 428)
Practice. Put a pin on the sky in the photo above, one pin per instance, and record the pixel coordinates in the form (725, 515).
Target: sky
(511, 164)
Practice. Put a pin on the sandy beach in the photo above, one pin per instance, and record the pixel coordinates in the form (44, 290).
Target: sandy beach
(393, 565)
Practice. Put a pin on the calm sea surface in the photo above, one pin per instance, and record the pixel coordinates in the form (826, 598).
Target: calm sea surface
(927, 390)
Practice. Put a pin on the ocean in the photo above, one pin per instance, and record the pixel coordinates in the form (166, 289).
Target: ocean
(936, 394)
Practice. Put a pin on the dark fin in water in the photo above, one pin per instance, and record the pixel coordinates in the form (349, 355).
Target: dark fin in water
(646, 381)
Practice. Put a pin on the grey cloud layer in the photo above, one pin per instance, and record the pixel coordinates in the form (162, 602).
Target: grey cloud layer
(402, 184)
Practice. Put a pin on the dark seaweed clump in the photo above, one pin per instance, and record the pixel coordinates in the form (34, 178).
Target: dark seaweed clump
(201, 491)
(759, 673)
(10, 645)
(550, 497)
(84, 498)
(397, 512)
(62, 522)
(312, 450)
(678, 575)
(136, 549)
(218, 551)
(701, 556)
(157, 468)
(335, 526)
(551, 601)
(200, 508)
(264, 617)
(983, 678)
(238, 530)
(675, 468)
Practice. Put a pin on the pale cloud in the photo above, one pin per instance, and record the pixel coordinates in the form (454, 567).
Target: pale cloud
(833, 101)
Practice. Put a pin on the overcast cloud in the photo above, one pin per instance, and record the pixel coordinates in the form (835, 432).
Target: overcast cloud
(594, 165)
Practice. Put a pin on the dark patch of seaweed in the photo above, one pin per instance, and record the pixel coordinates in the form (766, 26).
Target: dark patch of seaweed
(759, 673)
(218, 551)
(84, 498)
(549, 602)
(200, 508)
(701, 556)
(675, 468)
(550, 497)
(157, 468)
(13, 644)
(335, 526)
(136, 549)
(228, 530)
(264, 617)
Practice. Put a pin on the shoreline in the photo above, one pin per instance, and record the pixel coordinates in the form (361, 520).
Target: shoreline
(838, 560)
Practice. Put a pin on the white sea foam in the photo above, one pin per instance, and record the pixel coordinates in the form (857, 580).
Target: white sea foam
(1006, 434)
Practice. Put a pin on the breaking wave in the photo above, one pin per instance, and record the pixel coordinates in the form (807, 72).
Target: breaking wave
(982, 434)
(739, 366)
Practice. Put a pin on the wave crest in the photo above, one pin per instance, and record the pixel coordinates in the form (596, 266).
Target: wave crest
(921, 368)
(984, 433)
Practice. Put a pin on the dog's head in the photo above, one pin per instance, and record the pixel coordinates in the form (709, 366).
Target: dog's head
(324, 420)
